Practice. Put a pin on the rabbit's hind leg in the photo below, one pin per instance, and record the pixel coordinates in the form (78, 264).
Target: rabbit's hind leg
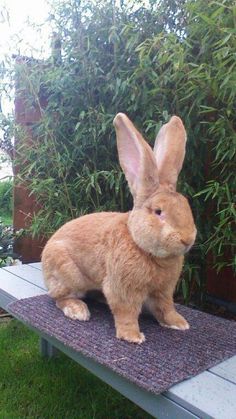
(74, 308)
(67, 293)
(66, 284)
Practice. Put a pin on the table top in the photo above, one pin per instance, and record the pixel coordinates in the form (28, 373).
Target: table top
(211, 394)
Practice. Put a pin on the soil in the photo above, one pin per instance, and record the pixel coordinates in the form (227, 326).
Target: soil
(219, 311)
(210, 308)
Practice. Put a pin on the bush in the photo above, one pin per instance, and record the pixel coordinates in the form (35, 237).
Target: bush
(7, 237)
(170, 57)
(6, 196)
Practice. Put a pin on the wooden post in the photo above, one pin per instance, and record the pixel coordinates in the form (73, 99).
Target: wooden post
(28, 248)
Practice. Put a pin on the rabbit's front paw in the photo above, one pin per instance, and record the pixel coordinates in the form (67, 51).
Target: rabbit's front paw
(131, 336)
(174, 320)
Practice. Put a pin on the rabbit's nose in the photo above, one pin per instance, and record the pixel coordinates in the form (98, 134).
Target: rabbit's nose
(188, 239)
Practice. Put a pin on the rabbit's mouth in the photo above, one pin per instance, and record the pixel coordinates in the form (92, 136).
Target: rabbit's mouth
(174, 251)
(162, 253)
(172, 248)
(181, 248)
(176, 243)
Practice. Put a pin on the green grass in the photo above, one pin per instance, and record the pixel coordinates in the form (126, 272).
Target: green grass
(7, 219)
(38, 388)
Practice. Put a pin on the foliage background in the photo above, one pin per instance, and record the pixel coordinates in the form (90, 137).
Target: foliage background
(6, 196)
(149, 61)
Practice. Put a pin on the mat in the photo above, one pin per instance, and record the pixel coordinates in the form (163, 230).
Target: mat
(167, 357)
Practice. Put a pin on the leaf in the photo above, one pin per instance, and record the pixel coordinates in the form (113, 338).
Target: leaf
(185, 289)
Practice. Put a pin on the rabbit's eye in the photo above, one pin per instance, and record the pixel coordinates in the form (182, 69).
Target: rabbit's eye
(158, 211)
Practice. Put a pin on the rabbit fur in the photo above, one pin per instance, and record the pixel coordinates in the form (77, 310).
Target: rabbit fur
(135, 258)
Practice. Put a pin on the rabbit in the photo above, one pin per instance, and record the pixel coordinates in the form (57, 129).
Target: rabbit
(135, 258)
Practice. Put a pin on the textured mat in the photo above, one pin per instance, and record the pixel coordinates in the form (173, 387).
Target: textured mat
(167, 357)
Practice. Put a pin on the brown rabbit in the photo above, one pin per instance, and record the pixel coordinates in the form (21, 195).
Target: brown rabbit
(134, 257)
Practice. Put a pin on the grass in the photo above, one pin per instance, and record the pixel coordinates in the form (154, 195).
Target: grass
(34, 387)
(6, 218)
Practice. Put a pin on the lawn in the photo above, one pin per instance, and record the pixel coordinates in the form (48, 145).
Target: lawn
(33, 387)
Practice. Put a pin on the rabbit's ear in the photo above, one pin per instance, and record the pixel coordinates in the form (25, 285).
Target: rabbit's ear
(136, 159)
(169, 151)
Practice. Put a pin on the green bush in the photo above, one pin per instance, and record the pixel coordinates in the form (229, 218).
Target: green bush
(169, 57)
(6, 197)
(7, 237)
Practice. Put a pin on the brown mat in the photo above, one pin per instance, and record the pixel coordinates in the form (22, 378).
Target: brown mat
(167, 357)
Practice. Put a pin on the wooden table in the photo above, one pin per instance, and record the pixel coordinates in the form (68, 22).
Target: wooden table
(211, 394)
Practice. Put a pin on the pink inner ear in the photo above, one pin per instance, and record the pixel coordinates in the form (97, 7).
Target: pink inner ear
(169, 151)
(131, 158)
(133, 165)
(160, 147)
